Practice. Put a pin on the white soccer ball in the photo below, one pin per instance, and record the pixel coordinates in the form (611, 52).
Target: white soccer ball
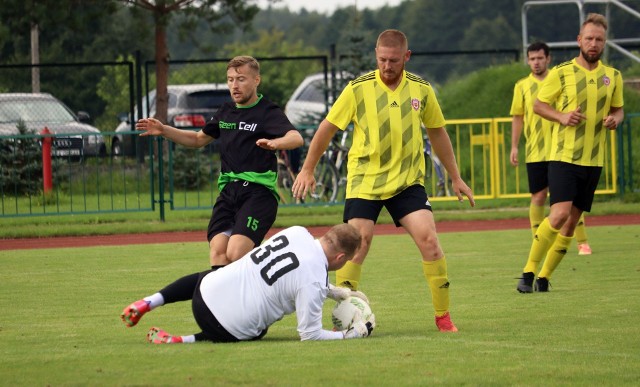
(344, 312)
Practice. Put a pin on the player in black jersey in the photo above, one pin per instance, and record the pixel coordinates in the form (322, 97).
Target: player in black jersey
(248, 131)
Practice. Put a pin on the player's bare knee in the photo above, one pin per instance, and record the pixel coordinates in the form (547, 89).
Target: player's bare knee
(429, 245)
(558, 218)
(236, 251)
(234, 255)
(218, 259)
(539, 198)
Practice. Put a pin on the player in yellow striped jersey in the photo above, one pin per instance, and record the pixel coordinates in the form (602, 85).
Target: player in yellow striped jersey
(537, 133)
(588, 96)
(386, 168)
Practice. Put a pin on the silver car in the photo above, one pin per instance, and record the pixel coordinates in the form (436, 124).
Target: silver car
(310, 101)
(190, 107)
(73, 138)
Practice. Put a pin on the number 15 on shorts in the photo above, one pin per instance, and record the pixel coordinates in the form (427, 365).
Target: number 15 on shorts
(252, 223)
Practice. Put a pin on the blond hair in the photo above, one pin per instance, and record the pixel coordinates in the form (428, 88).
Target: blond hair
(242, 60)
(392, 38)
(597, 19)
(343, 238)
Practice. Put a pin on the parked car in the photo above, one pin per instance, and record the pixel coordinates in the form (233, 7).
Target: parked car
(190, 106)
(74, 137)
(309, 102)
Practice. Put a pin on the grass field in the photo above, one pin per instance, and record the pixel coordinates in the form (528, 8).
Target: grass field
(197, 220)
(60, 320)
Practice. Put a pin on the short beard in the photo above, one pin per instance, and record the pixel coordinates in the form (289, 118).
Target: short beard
(591, 58)
(398, 77)
(540, 72)
(243, 101)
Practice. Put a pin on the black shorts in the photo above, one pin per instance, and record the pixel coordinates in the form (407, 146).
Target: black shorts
(573, 183)
(245, 208)
(410, 200)
(211, 327)
(538, 174)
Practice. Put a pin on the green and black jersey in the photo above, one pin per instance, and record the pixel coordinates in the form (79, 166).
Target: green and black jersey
(236, 130)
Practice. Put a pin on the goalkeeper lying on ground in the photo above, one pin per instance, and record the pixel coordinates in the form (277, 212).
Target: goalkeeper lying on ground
(287, 273)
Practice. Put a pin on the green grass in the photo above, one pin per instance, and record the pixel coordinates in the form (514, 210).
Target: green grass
(60, 323)
(197, 220)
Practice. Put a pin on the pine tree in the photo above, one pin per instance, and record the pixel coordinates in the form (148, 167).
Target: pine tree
(20, 164)
(355, 56)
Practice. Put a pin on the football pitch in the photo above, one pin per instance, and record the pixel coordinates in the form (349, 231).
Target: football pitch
(60, 320)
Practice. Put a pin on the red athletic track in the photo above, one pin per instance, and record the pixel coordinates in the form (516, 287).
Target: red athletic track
(199, 236)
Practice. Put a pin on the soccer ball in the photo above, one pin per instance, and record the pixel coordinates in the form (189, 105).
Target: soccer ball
(344, 312)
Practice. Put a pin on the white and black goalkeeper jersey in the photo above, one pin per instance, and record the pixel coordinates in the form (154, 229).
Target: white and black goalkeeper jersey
(286, 274)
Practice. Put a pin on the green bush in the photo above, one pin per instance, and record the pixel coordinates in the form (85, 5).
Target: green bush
(21, 164)
(193, 169)
(486, 93)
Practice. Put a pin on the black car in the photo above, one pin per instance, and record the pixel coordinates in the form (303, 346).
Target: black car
(190, 107)
(74, 138)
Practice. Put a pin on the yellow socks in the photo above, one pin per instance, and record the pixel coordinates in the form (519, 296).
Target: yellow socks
(536, 216)
(555, 255)
(436, 274)
(349, 275)
(580, 233)
(541, 242)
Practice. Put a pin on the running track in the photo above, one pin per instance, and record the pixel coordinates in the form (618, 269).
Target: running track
(199, 236)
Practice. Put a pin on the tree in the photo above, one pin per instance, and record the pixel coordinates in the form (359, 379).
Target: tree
(31, 18)
(221, 15)
(279, 77)
(113, 89)
(27, 16)
(355, 56)
(20, 164)
(74, 31)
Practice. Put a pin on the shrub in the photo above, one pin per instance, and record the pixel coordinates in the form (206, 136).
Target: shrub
(192, 168)
(21, 164)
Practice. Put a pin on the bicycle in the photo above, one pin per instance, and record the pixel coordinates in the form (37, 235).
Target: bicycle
(330, 173)
(331, 179)
(326, 176)
(333, 165)
(432, 163)
(286, 177)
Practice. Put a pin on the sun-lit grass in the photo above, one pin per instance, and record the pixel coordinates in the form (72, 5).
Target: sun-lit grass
(320, 215)
(60, 320)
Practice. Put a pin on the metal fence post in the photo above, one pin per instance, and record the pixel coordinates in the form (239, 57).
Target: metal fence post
(138, 142)
(161, 177)
(620, 141)
(630, 151)
(47, 180)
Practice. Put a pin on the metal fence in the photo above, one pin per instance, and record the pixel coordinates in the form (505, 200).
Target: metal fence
(185, 179)
(626, 144)
(154, 174)
(79, 185)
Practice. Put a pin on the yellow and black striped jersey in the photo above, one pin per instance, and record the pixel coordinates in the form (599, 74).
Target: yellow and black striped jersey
(537, 130)
(386, 154)
(570, 85)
